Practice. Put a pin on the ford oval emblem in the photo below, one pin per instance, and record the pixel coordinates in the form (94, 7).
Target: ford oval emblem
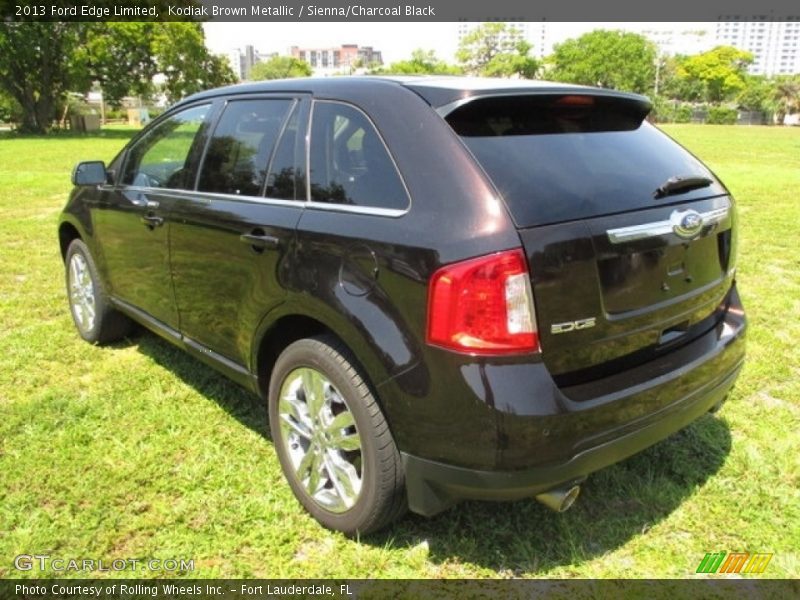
(687, 223)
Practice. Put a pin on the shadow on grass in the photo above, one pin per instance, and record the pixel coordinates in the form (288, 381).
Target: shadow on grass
(244, 406)
(616, 504)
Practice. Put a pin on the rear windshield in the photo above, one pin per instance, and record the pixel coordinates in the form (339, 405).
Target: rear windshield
(559, 158)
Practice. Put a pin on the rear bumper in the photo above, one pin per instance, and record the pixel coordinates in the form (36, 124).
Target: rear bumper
(708, 369)
(434, 486)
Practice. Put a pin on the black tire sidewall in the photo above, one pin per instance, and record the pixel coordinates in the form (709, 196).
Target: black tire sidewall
(306, 353)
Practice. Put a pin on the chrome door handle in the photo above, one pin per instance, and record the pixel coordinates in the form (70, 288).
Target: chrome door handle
(152, 221)
(259, 240)
(141, 201)
(671, 225)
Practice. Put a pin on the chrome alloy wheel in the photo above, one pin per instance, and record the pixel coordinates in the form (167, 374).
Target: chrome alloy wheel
(321, 440)
(81, 292)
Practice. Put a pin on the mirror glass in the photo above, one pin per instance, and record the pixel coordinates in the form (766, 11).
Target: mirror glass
(91, 172)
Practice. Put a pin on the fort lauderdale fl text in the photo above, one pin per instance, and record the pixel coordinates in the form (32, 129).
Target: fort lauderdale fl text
(172, 590)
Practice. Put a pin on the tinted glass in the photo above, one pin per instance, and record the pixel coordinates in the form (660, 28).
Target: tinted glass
(162, 158)
(240, 147)
(555, 160)
(286, 180)
(349, 163)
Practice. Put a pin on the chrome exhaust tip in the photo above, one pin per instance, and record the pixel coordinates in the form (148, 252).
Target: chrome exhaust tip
(560, 499)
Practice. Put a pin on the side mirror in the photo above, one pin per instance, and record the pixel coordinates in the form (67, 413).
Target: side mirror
(91, 172)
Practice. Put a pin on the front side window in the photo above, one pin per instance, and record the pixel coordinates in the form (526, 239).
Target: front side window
(349, 162)
(162, 157)
(240, 147)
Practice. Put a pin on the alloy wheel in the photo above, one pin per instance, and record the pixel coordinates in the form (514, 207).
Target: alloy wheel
(321, 440)
(81, 292)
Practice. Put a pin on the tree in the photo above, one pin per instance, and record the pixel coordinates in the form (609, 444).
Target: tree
(36, 68)
(41, 62)
(607, 58)
(720, 71)
(280, 67)
(119, 57)
(8, 108)
(786, 96)
(673, 85)
(422, 62)
(181, 56)
(756, 94)
(519, 62)
(497, 50)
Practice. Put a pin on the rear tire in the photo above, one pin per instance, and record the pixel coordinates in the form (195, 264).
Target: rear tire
(95, 319)
(332, 440)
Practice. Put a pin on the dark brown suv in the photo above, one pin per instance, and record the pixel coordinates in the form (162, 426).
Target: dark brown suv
(445, 288)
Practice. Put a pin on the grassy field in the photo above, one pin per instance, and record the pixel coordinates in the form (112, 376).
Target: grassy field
(138, 451)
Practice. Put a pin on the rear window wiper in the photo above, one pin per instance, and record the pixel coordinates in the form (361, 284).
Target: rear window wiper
(679, 185)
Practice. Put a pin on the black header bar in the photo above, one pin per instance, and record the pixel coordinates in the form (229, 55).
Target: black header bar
(250, 589)
(398, 10)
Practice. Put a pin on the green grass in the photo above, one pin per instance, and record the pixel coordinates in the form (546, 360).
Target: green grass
(138, 451)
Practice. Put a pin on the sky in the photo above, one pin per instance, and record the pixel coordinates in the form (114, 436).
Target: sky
(395, 40)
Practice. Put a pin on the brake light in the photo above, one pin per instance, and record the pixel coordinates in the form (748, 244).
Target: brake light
(483, 306)
(575, 101)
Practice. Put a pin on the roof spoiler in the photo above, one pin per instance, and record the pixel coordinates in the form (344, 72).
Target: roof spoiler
(636, 102)
(546, 112)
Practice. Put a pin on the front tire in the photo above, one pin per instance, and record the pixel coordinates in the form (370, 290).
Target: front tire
(332, 440)
(94, 317)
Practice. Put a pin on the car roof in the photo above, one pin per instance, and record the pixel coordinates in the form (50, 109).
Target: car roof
(437, 90)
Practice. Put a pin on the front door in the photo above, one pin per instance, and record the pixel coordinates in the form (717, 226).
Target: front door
(132, 219)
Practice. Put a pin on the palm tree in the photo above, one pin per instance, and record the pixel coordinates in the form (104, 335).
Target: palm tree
(786, 96)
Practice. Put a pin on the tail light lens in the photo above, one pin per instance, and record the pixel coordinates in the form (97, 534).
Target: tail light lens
(483, 306)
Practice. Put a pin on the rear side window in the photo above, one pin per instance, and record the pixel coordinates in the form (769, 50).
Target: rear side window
(286, 179)
(162, 158)
(349, 162)
(240, 147)
(558, 158)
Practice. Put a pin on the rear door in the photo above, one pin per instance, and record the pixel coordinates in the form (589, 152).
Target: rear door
(628, 236)
(232, 237)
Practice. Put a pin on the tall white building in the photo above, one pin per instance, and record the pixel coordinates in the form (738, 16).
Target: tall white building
(539, 36)
(234, 57)
(775, 45)
(465, 27)
(534, 32)
(338, 60)
(244, 59)
(681, 40)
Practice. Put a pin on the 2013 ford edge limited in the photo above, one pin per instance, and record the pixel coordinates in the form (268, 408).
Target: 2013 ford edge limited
(445, 288)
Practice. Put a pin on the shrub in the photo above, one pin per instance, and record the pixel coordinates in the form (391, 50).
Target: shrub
(683, 114)
(671, 111)
(721, 115)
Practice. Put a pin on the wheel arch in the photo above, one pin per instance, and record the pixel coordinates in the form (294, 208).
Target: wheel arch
(67, 233)
(279, 330)
(280, 333)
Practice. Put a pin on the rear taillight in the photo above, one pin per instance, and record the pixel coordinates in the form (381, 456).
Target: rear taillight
(483, 306)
